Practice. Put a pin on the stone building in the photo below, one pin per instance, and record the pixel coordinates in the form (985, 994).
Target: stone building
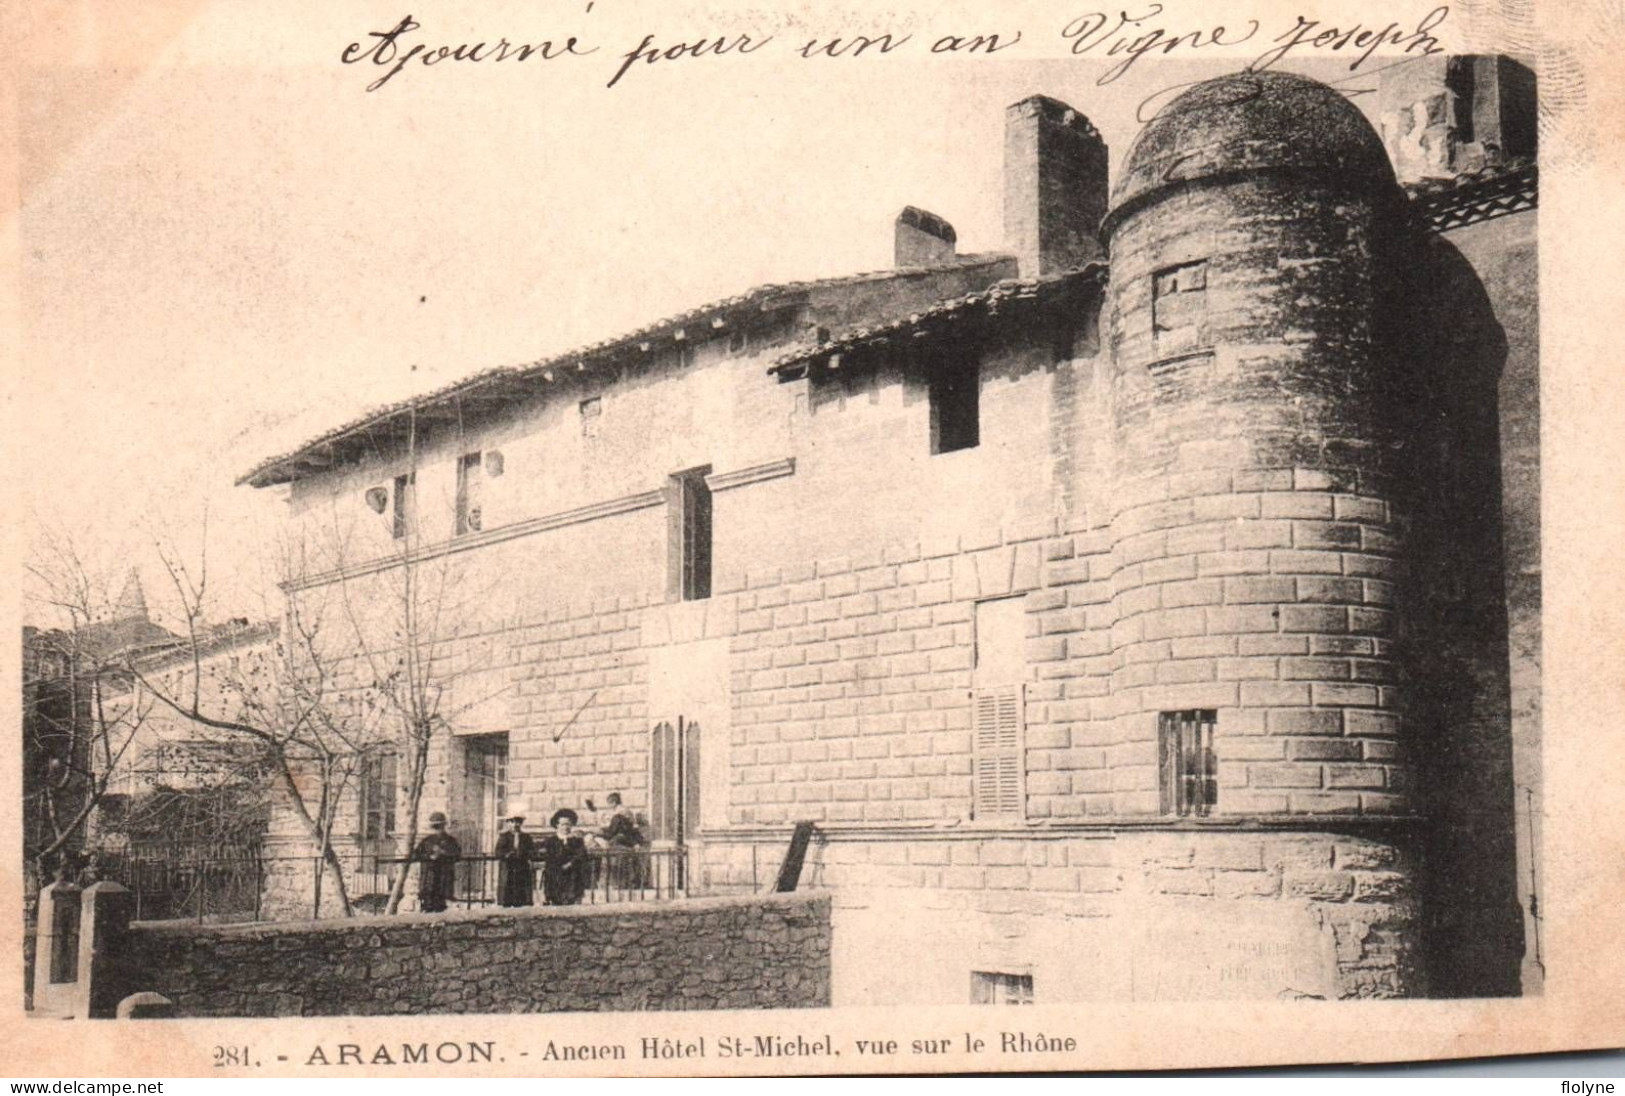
(1149, 612)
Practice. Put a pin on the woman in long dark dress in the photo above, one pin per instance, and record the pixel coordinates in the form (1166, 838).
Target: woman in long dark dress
(623, 839)
(564, 859)
(516, 851)
(438, 854)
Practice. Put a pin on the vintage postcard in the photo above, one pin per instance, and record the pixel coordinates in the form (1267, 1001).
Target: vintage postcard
(603, 537)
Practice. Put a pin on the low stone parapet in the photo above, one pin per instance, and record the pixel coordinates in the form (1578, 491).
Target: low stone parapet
(707, 953)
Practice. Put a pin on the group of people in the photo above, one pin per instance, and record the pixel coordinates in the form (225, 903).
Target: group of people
(567, 865)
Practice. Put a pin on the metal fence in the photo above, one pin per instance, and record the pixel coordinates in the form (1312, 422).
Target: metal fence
(214, 889)
(254, 887)
(609, 875)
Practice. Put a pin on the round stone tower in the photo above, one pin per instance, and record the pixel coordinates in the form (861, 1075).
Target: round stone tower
(1256, 545)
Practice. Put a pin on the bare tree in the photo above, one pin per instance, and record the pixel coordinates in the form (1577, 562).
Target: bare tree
(311, 728)
(408, 615)
(369, 657)
(80, 717)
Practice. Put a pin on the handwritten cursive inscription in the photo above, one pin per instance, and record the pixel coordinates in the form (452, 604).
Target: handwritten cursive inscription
(719, 46)
(1122, 36)
(387, 51)
(1311, 33)
(1130, 36)
(1121, 39)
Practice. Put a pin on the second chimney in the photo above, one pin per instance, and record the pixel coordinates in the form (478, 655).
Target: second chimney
(923, 239)
(1055, 186)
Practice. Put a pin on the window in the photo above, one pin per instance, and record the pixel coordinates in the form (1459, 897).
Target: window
(1190, 783)
(956, 396)
(999, 764)
(591, 411)
(1179, 306)
(405, 503)
(738, 341)
(997, 714)
(1000, 641)
(469, 476)
(674, 781)
(994, 988)
(378, 792)
(688, 505)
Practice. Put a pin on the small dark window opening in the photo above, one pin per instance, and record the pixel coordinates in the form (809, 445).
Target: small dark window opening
(738, 341)
(1190, 784)
(405, 489)
(592, 410)
(689, 536)
(956, 405)
(469, 475)
(1459, 80)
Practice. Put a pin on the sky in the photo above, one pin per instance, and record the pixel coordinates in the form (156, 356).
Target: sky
(228, 246)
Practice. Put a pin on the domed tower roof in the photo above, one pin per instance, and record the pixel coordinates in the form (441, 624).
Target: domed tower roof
(1246, 122)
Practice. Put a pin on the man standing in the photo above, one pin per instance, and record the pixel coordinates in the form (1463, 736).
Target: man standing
(438, 852)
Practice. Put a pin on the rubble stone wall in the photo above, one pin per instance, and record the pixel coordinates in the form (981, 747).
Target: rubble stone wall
(718, 953)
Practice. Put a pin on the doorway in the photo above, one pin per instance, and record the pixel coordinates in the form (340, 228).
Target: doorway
(485, 789)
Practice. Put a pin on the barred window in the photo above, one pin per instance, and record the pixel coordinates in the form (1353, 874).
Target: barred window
(1190, 783)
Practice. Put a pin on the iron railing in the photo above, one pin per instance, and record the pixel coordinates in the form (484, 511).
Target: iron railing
(253, 887)
(610, 875)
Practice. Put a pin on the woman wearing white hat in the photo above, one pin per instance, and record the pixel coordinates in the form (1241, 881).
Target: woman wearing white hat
(515, 853)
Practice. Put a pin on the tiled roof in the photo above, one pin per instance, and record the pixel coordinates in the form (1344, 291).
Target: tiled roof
(276, 469)
(982, 303)
(1470, 196)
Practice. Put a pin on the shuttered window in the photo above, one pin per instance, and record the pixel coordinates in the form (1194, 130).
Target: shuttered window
(998, 720)
(674, 781)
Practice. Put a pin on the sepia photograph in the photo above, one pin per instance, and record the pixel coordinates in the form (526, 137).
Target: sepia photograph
(804, 512)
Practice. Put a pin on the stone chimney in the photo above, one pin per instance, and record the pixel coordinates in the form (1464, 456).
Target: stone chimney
(923, 239)
(1443, 115)
(1055, 186)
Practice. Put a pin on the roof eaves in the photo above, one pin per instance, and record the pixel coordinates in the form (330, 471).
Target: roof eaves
(768, 297)
(796, 360)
